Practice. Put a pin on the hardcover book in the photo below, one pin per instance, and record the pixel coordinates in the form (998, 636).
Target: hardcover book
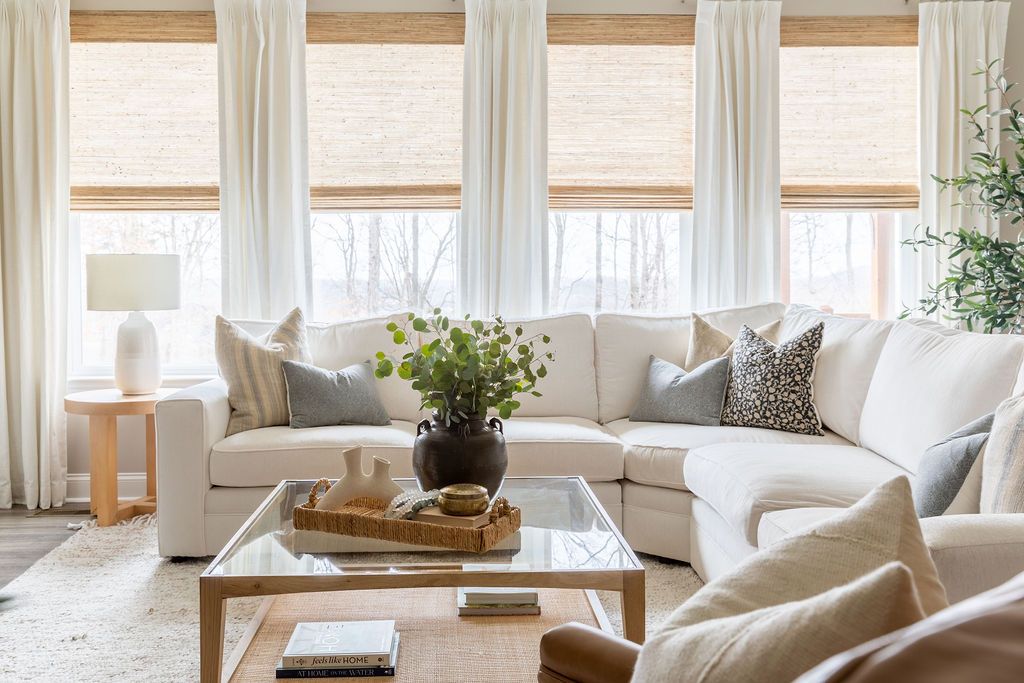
(433, 515)
(495, 610)
(497, 595)
(341, 644)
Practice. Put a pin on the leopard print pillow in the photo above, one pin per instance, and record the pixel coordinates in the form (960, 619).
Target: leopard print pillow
(771, 386)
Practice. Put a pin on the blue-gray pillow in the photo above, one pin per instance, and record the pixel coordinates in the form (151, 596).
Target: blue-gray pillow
(322, 398)
(945, 465)
(670, 394)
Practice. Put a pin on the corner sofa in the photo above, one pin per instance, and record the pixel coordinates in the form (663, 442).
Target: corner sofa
(706, 495)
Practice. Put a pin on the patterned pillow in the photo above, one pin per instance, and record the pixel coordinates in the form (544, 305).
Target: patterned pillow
(252, 369)
(771, 386)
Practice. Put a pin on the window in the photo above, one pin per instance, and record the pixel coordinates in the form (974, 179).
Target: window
(849, 162)
(144, 175)
(620, 161)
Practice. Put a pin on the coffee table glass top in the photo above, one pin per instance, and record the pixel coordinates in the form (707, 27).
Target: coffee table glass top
(564, 528)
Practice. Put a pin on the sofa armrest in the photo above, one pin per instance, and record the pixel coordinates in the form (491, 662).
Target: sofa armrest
(583, 654)
(974, 553)
(188, 423)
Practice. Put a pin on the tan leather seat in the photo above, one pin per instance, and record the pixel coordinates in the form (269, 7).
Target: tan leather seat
(575, 653)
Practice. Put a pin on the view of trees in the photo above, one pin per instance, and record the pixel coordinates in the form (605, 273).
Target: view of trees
(369, 263)
(831, 260)
(186, 335)
(614, 261)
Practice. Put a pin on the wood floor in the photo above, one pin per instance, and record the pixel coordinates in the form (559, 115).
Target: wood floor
(27, 535)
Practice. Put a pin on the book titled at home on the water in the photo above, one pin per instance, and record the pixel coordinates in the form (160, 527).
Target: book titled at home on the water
(343, 644)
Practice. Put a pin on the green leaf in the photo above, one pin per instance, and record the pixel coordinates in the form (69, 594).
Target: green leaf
(399, 337)
(419, 324)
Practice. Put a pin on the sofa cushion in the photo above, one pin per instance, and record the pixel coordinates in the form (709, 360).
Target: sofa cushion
(744, 481)
(339, 345)
(926, 385)
(562, 446)
(777, 525)
(846, 362)
(654, 451)
(570, 387)
(624, 344)
(263, 457)
(536, 447)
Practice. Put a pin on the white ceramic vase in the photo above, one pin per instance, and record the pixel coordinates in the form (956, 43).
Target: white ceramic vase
(355, 483)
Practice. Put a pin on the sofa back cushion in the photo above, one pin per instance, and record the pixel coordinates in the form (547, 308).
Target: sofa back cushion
(338, 345)
(928, 385)
(570, 388)
(849, 351)
(624, 344)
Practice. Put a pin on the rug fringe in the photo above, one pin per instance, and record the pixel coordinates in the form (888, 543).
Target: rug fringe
(140, 521)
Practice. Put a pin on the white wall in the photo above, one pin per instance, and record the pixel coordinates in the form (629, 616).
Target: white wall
(132, 457)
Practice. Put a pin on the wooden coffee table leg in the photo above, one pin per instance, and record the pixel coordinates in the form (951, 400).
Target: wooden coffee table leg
(103, 467)
(151, 456)
(212, 607)
(634, 607)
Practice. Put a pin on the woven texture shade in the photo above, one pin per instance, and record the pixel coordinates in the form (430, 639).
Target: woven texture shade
(143, 115)
(620, 125)
(848, 119)
(385, 124)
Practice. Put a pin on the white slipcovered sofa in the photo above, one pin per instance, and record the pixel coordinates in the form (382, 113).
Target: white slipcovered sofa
(706, 495)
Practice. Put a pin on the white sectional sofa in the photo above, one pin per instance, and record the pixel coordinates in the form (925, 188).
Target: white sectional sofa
(706, 495)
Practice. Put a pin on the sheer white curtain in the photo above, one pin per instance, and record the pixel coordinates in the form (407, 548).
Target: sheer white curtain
(34, 195)
(955, 40)
(736, 202)
(503, 240)
(264, 166)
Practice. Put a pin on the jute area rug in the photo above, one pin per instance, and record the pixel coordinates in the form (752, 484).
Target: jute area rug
(105, 606)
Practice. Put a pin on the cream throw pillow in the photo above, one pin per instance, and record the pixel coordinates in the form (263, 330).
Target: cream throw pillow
(1002, 469)
(707, 342)
(256, 387)
(781, 642)
(880, 528)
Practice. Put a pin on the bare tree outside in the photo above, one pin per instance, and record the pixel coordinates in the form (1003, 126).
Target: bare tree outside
(831, 260)
(633, 265)
(372, 263)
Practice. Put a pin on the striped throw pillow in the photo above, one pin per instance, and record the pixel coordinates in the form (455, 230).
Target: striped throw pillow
(253, 370)
(1002, 467)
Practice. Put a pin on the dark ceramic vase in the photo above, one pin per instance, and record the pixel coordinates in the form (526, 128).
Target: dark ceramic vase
(471, 452)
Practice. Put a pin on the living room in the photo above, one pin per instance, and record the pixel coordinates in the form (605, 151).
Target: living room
(556, 340)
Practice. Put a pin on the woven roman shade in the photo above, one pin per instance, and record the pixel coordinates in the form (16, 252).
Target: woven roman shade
(620, 126)
(848, 127)
(143, 125)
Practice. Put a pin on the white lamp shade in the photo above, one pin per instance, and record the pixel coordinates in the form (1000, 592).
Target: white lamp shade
(133, 282)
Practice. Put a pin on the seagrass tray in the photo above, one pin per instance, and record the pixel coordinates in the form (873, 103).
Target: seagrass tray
(364, 517)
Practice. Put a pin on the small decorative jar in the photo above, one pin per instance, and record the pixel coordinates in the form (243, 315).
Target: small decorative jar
(463, 499)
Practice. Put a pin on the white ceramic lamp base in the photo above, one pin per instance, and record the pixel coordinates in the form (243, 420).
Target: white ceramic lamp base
(137, 364)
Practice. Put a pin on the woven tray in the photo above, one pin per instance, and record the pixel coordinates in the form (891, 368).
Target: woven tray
(364, 518)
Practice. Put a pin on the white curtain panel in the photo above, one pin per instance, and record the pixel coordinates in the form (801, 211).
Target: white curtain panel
(503, 244)
(264, 160)
(34, 196)
(955, 40)
(737, 200)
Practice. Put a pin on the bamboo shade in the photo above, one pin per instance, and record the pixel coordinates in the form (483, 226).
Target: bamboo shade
(620, 126)
(848, 126)
(385, 125)
(143, 114)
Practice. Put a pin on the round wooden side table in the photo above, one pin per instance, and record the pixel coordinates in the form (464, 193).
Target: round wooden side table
(103, 407)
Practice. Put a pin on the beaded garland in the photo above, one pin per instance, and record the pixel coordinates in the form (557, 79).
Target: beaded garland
(406, 505)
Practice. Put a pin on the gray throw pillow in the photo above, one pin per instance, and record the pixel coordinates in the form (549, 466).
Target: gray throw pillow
(670, 394)
(321, 398)
(944, 467)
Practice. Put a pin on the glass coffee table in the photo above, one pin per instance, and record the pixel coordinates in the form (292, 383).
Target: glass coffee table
(566, 541)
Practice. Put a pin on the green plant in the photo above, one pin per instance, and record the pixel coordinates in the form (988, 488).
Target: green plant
(984, 288)
(467, 368)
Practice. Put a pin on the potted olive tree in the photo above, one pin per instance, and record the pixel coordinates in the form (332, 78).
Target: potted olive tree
(464, 370)
(985, 286)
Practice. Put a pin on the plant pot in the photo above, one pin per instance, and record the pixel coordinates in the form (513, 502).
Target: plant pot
(471, 452)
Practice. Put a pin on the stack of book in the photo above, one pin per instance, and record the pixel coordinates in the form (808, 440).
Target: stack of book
(340, 649)
(489, 602)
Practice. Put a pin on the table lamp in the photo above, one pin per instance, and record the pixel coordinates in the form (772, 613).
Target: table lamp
(135, 283)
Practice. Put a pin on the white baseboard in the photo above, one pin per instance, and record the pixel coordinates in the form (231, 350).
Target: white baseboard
(130, 485)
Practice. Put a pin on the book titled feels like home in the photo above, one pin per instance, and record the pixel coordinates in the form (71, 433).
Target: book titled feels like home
(331, 644)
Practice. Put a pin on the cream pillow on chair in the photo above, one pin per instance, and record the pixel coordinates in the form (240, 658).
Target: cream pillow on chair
(782, 642)
(880, 529)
